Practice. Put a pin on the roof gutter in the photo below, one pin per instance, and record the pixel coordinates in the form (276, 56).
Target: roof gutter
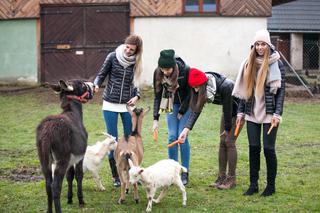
(293, 31)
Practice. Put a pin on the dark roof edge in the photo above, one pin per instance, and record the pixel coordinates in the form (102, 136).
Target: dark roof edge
(278, 2)
(293, 31)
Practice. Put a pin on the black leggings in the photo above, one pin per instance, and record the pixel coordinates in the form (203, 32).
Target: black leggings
(254, 135)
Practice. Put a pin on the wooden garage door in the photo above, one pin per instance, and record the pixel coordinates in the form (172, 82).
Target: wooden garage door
(76, 39)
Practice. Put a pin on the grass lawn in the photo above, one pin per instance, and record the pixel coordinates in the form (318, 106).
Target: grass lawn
(22, 187)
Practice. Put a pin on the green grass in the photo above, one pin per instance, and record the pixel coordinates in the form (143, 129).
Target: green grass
(298, 151)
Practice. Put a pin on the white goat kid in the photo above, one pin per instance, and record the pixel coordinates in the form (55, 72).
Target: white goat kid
(94, 156)
(159, 175)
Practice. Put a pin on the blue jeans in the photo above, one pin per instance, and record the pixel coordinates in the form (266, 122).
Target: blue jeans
(111, 120)
(175, 127)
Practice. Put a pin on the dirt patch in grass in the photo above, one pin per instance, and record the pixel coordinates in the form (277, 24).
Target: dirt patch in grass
(22, 174)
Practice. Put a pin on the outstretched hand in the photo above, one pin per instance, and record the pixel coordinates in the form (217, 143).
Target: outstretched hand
(225, 133)
(183, 135)
(155, 126)
(96, 88)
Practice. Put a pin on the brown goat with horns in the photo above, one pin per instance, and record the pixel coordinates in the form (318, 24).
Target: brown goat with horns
(131, 147)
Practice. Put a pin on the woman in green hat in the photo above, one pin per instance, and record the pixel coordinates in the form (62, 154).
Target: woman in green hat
(171, 96)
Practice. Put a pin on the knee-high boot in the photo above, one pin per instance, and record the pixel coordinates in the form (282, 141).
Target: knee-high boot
(114, 171)
(271, 163)
(254, 161)
(230, 181)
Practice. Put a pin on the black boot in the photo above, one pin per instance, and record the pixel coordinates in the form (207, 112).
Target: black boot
(254, 162)
(271, 163)
(253, 188)
(114, 171)
(268, 191)
(185, 178)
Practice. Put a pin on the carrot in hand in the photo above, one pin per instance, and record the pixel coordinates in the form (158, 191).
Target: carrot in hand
(236, 132)
(155, 135)
(174, 143)
(271, 127)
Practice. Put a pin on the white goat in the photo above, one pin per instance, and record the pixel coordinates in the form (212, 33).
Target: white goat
(161, 174)
(94, 156)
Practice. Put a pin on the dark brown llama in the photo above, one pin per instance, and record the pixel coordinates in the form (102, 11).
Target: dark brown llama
(62, 141)
(131, 147)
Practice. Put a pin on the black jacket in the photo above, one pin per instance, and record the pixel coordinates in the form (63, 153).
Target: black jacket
(274, 102)
(182, 94)
(120, 88)
(223, 96)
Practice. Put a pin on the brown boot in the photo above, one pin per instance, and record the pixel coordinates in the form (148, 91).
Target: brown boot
(229, 183)
(219, 181)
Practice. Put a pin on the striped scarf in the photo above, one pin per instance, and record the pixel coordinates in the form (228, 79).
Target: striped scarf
(167, 98)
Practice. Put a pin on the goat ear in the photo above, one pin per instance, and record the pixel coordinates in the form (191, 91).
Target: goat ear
(141, 170)
(66, 86)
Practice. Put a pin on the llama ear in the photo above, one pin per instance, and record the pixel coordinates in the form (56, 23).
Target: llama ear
(55, 87)
(141, 170)
(66, 86)
(130, 163)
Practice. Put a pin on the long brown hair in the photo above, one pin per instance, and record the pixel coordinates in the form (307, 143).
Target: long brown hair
(136, 40)
(251, 79)
(198, 99)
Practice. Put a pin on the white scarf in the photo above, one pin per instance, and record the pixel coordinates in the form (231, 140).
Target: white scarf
(124, 60)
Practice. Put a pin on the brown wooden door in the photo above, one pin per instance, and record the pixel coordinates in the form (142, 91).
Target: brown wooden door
(76, 39)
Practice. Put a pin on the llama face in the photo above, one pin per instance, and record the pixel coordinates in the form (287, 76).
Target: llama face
(75, 89)
(81, 87)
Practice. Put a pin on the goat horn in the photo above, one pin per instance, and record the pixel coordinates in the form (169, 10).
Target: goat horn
(130, 109)
(130, 163)
(108, 135)
(146, 111)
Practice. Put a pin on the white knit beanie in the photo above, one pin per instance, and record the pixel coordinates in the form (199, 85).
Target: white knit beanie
(263, 35)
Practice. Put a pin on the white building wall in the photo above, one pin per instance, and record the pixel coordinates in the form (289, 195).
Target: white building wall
(208, 43)
(296, 50)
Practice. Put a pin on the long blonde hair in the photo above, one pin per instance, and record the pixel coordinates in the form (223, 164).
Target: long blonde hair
(251, 78)
(136, 40)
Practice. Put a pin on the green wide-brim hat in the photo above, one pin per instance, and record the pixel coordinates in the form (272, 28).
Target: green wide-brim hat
(166, 59)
